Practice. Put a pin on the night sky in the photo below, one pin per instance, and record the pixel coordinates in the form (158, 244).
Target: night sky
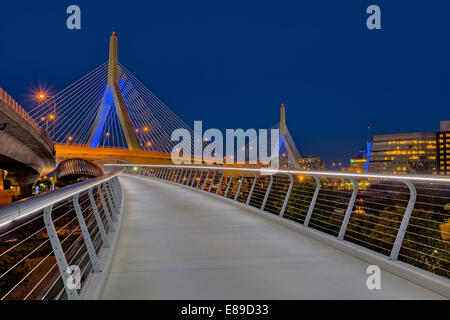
(232, 63)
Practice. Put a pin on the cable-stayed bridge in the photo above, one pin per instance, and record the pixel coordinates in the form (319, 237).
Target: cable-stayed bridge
(143, 230)
(110, 114)
(109, 109)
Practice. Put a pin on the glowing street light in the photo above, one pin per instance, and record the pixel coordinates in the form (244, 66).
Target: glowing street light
(42, 96)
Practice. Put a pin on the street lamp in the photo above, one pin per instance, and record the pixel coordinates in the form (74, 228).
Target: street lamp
(106, 139)
(42, 96)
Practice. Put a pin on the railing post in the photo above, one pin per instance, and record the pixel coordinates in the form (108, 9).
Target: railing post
(172, 175)
(113, 198)
(180, 175)
(239, 187)
(195, 176)
(177, 173)
(313, 201)
(286, 199)
(212, 181)
(166, 174)
(105, 208)
(220, 182)
(405, 221)
(200, 179)
(111, 204)
(349, 211)
(86, 236)
(72, 293)
(119, 189)
(229, 184)
(189, 177)
(266, 196)
(251, 189)
(113, 188)
(98, 219)
(206, 180)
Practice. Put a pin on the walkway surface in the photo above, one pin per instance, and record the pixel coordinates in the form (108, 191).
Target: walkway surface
(177, 243)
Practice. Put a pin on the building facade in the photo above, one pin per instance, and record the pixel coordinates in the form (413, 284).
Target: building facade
(404, 153)
(443, 149)
(311, 163)
(357, 163)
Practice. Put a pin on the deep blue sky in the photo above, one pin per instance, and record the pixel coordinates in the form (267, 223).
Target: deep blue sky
(231, 63)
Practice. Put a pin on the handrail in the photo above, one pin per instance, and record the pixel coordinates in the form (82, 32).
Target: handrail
(22, 208)
(269, 171)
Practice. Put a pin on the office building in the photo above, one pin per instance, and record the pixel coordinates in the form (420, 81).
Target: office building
(404, 153)
(443, 149)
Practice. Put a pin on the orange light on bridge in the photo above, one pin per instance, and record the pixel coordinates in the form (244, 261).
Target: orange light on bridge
(149, 144)
(41, 95)
(145, 129)
(70, 138)
(107, 134)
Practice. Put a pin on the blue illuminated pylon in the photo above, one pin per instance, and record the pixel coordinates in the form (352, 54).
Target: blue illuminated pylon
(113, 97)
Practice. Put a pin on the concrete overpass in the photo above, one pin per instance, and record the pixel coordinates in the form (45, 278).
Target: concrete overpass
(26, 149)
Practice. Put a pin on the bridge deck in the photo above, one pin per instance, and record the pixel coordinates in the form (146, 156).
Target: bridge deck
(180, 244)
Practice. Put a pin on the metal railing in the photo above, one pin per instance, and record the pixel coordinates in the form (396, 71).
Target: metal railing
(403, 218)
(50, 244)
(9, 101)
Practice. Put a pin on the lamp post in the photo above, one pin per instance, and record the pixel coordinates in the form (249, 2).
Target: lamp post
(140, 134)
(148, 143)
(106, 139)
(42, 97)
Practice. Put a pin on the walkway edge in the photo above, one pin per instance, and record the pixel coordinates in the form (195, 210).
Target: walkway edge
(418, 276)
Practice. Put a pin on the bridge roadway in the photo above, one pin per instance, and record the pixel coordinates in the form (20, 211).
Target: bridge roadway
(177, 243)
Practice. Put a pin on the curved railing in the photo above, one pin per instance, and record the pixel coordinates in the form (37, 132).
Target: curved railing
(51, 245)
(400, 218)
(9, 101)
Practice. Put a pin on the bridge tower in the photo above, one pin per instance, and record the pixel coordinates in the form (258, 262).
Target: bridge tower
(113, 97)
(286, 141)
